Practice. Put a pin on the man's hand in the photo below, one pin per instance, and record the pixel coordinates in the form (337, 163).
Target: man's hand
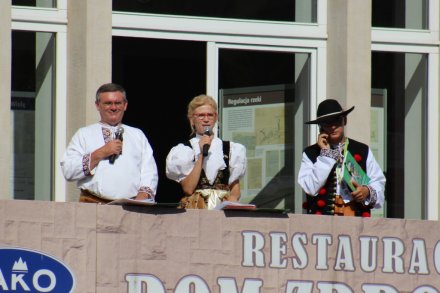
(361, 193)
(322, 141)
(113, 147)
(142, 196)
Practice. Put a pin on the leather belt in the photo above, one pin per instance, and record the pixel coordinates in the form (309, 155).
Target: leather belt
(344, 209)
(87, 196)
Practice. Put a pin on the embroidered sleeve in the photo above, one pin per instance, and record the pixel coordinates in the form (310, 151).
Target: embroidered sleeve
(373, 196)
(86, 165)
(147, 190)
(334, 154)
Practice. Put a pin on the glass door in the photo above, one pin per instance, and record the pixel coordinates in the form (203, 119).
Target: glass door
(263, 97)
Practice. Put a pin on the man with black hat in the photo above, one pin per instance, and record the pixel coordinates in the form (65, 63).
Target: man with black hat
(325, 169)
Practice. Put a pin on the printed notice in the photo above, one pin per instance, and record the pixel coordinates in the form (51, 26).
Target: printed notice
(260, 119)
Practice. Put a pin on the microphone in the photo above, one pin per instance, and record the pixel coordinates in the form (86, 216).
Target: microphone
(118, 135)
(206, 146)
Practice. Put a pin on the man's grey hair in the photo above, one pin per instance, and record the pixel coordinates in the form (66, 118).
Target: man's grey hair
(110, 87)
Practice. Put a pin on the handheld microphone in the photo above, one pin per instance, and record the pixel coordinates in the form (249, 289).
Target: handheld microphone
(118, 135)
(206, 146)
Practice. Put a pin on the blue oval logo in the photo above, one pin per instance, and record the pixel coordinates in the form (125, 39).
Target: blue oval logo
(25, 270)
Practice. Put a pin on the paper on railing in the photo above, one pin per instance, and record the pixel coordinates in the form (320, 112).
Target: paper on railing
(128, 201)
(234, 205)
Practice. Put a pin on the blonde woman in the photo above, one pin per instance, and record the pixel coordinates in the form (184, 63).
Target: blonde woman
(207, 168)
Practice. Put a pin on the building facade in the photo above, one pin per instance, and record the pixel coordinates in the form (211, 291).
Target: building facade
(287, 56)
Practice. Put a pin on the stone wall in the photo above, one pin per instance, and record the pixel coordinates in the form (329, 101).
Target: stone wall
(107, 247)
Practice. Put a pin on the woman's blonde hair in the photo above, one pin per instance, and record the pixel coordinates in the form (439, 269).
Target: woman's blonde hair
(200, 100)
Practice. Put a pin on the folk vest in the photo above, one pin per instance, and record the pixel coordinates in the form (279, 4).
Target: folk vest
(222, 178)
(324, 202)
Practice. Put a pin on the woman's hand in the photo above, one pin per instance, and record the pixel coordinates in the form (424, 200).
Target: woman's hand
(205, 140)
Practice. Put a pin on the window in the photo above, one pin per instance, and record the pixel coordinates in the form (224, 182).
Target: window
(280, 10)
(406, 14)
(262, 99)
(33, 68)
(403, 77)
(35, 3)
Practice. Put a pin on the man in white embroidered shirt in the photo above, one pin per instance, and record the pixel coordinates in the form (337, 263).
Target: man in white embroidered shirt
(110, 160)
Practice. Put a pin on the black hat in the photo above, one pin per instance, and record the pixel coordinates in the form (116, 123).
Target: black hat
(328, 110)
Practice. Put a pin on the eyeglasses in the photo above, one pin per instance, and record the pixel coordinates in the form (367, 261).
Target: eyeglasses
(116, 104)
(202, 116)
